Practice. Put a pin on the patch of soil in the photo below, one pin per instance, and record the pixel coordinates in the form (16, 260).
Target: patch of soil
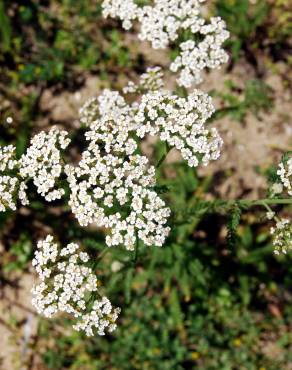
(18, 324)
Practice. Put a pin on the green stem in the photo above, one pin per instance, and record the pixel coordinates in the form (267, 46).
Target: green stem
(243, 203)
(271, 211)
(268, 208)
(136, 250)
(161, 160)
(260, 202)
(103, 253)
(99, 258)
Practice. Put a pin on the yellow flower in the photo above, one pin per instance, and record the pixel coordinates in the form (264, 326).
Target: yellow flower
(195, 355)
(237, 342)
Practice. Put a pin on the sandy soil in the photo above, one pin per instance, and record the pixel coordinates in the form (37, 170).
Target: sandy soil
(18, 324)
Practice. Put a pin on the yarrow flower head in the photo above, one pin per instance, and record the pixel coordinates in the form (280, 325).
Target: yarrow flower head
(282, 236)
(151, 80)
(11, 186)
(117, 194)
(162, 23)
(196, 56)
(110, 121)
(270, 215)
(101, 317)
(112, 187)
(126, 10)
(67, 285)
(42, 162)
(282, 231)
(7, 158)
(180, 122)
(285, 173)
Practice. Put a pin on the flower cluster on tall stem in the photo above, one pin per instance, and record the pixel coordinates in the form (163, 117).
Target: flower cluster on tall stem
(281, 232)
(166, 20)
(67, 285)
(113, 185)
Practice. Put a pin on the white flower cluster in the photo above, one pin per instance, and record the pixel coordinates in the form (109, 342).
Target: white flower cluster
(282, 236)
(67, 285)
(110, 128)
(151, 80)
(42, 162)
(8, 183)
(11, 187)
(180, 122)
(110, 176)
(101, 182)
(112, 186)
(7, 158)
(196, 56)
(101, 317)
(285, 173)
(162, 23)
(8, 186)
(282, 232)
(126, 10)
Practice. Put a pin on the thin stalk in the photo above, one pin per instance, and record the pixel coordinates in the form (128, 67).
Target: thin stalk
(225, 205)
(100, 257)
(136, 251)
(268, 208)
(161, 160)
(260, 202)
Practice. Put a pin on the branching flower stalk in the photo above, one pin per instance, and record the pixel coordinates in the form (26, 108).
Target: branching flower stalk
(113, 186)
(281, 232)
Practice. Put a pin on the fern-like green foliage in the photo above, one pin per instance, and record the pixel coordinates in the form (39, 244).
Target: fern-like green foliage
(232, 225)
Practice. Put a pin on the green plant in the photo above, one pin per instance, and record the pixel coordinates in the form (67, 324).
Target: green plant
(214, 296)
(255, 97)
